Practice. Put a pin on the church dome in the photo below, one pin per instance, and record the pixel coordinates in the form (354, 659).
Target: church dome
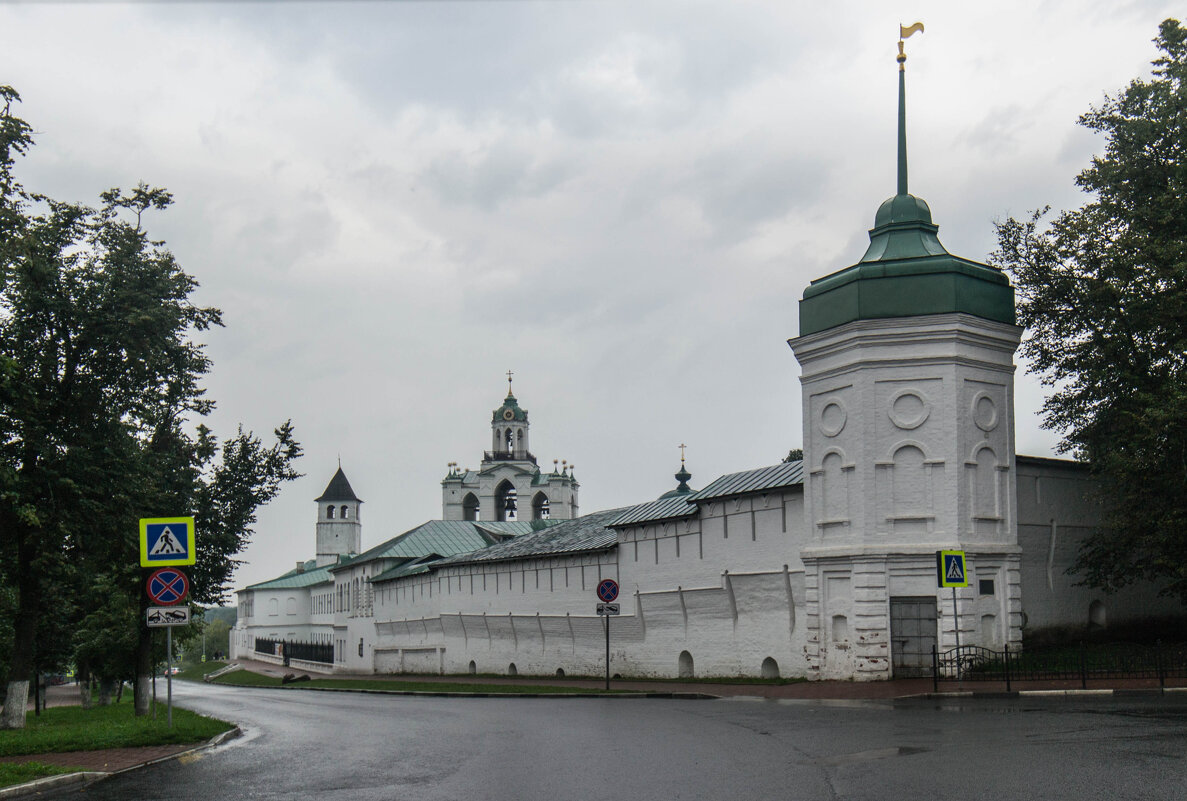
(510, 411)
(905, 271)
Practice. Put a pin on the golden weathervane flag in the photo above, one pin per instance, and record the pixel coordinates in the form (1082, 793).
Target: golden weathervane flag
(906, 30)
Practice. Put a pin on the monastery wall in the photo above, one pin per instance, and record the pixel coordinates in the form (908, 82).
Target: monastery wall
(1057, 509)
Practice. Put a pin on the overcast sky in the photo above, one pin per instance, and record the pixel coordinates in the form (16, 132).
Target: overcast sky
(394, 203)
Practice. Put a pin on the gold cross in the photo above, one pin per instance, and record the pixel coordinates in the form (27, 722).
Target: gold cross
(682, 447)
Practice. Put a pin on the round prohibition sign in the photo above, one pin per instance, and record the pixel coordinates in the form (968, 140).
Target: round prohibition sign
(608, 590)
(167, 586)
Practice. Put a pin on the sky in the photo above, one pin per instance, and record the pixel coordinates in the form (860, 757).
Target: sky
(395, 203)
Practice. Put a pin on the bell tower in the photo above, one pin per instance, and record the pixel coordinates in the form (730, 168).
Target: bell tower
(339, 530)
(509, 485)
(509, 430)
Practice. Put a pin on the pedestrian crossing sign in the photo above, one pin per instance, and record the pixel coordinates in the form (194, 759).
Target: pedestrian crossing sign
(166, 541)
(951, 569)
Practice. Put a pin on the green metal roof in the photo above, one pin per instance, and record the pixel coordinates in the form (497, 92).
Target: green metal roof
(666, 508)
(307, 576)
(905, 272)
(587, 533)
(512, 405)
(762, 479)
(449, 537)
(410, 568)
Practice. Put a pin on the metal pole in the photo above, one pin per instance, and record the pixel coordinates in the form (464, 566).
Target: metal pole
(956, 628)
(607, 652)
(169, 677)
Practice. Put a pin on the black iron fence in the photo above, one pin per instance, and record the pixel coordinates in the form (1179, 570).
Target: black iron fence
(289, 649)
(1081, 663)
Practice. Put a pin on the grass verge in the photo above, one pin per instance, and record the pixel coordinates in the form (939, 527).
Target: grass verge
(245, 678)
(72, 728)
(20, 772)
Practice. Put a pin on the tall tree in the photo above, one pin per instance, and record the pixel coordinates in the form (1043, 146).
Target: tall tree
(100, 382)
(1103, 293)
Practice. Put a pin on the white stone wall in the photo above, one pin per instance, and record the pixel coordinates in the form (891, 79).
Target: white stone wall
(1058, 508)
(908, 449)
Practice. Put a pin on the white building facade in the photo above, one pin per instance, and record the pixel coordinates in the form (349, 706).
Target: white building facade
(823, 568)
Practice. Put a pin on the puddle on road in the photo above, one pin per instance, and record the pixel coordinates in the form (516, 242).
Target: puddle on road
(869, 756)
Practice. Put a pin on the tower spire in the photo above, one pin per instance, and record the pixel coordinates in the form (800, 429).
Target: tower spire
(903, 31)
(509, 374)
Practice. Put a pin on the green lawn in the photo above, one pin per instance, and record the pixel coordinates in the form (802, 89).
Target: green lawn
(72, 728)
(245, 678)
(21, 772)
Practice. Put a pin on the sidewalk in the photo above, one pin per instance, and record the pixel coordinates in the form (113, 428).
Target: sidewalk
(830, 690)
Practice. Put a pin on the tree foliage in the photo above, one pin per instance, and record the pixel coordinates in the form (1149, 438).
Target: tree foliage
(1103, 293)
(100, 389)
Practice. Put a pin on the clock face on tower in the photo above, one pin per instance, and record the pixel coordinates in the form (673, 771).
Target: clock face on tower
(508, 414)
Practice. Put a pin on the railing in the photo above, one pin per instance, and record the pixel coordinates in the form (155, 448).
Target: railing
(305, 651)
(508, 456)
(1078, 662)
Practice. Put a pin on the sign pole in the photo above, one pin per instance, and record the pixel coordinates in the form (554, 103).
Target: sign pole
(956, 629)
(607, 619)
(169, 662)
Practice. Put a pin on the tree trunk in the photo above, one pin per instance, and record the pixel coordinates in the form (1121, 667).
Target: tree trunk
(106, 690)
(84, 686)
(24, 638)
(143, 670)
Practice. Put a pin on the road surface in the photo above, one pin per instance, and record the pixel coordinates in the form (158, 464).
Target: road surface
(353, 747)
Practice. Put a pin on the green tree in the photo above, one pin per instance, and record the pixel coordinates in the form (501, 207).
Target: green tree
(100, 381)
(1103, 293)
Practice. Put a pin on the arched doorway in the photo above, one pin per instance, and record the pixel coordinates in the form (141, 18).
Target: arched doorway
(770, 668)
(684, 665)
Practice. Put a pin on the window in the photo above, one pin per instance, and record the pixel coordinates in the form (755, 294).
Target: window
(344, 514)
(329, 513)
(985, 587)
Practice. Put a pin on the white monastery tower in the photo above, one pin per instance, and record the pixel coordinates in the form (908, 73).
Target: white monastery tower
(908, 412)
(339, 530)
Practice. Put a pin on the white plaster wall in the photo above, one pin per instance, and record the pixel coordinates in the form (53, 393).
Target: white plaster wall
(1058, 507)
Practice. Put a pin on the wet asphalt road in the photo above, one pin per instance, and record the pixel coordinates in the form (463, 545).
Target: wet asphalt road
(330, 746)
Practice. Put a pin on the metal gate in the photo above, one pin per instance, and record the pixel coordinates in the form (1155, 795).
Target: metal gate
(912, 635)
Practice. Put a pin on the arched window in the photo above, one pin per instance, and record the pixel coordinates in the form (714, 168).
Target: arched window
(910, 482)
(470, 507)
(540, 507)
(770, 668)
(344, 514)
(330, 512)
(1096, 615)
(510, 441)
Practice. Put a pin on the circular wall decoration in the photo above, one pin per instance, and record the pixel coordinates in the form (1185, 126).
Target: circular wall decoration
(832, 418)
(908, 409)
(984, 412)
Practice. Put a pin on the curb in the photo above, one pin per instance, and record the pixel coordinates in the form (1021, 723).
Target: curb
(52, 783)
(448, 694)
(90, 777)
(1122, 693)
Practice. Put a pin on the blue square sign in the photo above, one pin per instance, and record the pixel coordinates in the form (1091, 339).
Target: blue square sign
(166, 541)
